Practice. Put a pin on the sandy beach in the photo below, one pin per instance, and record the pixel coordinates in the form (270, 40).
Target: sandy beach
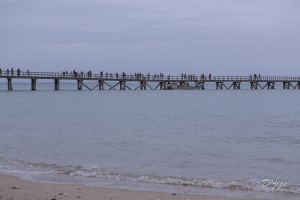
(13, 188)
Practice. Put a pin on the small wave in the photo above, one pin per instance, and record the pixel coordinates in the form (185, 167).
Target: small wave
(100, 172)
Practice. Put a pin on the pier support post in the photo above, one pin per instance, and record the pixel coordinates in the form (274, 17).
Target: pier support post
(143, 85)
(271, 85)
(286, 85)
(122, 85)
(79, 84)
(236, 85)
(9, 84)
(219, 85)
(162, 85)
(253, 85)
(101, 84)
(33, 84)
(56, 84)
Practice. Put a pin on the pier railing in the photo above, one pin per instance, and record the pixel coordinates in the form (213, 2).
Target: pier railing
(141, 77)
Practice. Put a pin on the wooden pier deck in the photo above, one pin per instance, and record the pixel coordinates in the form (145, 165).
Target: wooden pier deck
(109, 81)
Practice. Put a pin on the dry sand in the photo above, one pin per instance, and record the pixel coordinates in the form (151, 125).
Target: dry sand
(13, 188)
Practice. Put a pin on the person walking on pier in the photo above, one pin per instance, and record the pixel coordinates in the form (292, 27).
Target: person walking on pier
(75, 73)
(18, 72)
(255, 77)
(202, 76)
(89, 74)
(12, 71)
(0, 71)
(209, 76)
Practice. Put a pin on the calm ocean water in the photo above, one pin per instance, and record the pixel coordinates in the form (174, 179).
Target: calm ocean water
(208, 142)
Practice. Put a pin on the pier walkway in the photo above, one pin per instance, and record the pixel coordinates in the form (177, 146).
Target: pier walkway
(109, 81)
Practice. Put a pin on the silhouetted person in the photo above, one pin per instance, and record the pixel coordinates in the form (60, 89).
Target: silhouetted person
(18, 72)
(202, 76)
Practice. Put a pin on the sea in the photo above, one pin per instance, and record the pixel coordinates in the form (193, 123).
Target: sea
(233, 143)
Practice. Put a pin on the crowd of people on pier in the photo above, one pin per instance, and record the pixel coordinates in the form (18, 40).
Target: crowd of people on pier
(136, 76)
(11, 72)
(107, 75)
(255, 77)
(89, 74)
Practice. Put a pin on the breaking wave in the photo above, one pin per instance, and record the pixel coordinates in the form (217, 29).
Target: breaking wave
(15, 165)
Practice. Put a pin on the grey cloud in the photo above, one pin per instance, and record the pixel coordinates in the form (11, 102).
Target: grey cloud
(211, 36)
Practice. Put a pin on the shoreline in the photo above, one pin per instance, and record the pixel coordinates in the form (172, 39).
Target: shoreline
(14, 188)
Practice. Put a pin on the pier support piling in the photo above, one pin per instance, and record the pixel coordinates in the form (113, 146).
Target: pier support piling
(33, 84)
(286, 85)
(254, 85)
(162, 85)
(143, 85)
(101, 84)
(79, 84)
(122, 85)
(236, 85)
(9, 84)
(56, 84)
(219, 85)
(271, 85)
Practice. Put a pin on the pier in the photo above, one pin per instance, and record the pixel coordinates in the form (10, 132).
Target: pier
(109, 81)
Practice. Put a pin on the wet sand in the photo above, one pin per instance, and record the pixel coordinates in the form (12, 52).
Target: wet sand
(13, 188)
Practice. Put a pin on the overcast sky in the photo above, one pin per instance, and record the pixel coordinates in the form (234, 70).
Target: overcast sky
(222, 37)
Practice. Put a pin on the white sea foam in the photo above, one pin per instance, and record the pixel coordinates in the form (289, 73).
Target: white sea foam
(25, 167)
